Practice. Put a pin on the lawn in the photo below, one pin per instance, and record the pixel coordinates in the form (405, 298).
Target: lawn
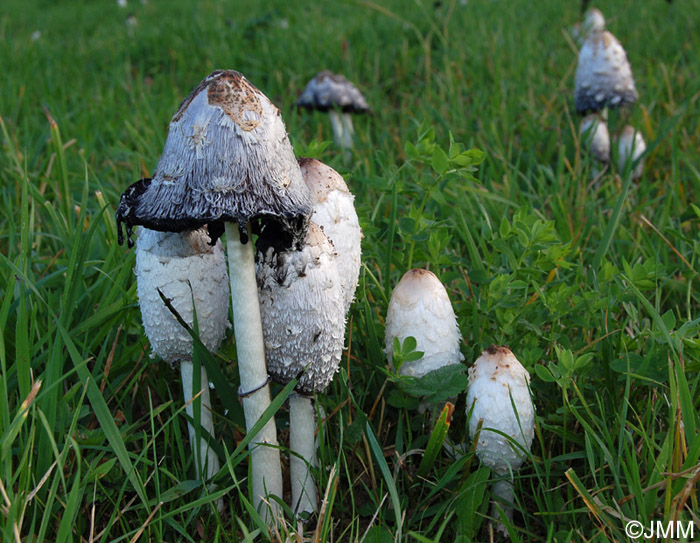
(470, 165)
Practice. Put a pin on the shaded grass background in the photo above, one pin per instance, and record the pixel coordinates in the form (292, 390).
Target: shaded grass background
(611, 338)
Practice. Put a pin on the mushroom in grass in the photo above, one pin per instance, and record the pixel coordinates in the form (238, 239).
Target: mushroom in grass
(333, 210)
(603, 75)
(499, 396)
(593, 21)
(335, 94)
(303, 309)
(228, 159)
(191, 273)
(595, 138)
(419, 307)
(630, 147)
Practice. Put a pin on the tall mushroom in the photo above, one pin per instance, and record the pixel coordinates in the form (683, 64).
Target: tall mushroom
(302, 304)
(499, 396)
(191, 273)
(419, 307)
(630, 147)
(333, 210)
(335, 94)
(227, 159)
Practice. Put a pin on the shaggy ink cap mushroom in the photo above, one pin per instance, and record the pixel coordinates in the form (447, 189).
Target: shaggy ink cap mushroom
(596, 138)
(603, 75)
(631, 146)
(419, 307)
(227, 158)
(334, 212)
(302, 309)
(329, 91)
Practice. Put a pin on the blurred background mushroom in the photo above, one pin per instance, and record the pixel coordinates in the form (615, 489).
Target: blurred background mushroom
(340, 98)
(630, 147)
(595, 140)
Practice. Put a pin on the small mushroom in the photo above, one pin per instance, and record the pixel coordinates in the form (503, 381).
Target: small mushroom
(595, 137)
(303, 310)
(603, 75)
(499, 396)
(630, 147)
(419, 307)
(228, 159)
(335, 94)
(334, 212)
(192, 275)
(593, 21)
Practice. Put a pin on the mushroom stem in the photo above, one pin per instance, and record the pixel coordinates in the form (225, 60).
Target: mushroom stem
(302, 426)
(504, 491)
(348, 130)
(338, 129)
(206, 460)
(266, 470)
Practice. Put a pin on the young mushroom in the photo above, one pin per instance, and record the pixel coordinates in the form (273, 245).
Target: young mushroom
(335, 94)
(334, 212)
(302, 304)
(419, 307)
(595, 138)
(499, 396)
(630, 147)
(228, 160)
(593, 21)
(191, 273)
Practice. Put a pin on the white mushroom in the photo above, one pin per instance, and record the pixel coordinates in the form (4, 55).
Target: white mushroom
(498, 383)
(630, 147)
(335, 94)
(419, 307)
(595, 137)
(228, 159)
(333, 210)
(603, 75)
(302, 305)
(593, 21)
(186, 269)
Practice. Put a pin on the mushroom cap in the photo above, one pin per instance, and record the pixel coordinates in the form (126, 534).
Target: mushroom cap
(227, 158)
(334, 212)
(593, 21)
(631, 146)
(493, 379)
(302, 310)
(596, 138)
(332, 91)
(185, 267)
(419, 307)
(603, 75)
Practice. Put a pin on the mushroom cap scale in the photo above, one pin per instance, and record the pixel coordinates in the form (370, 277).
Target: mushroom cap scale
(631, 146)
(227, 157)
(329, 91)
(184, 267)
(302, 309)
(603, 75)
(495, 377)
(419, 307)
(334, 212)
(594, 130)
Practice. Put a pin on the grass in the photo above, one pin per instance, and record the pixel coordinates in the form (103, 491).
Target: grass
(593, 286)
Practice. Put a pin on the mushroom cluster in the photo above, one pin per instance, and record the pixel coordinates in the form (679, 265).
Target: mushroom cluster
(228, 164)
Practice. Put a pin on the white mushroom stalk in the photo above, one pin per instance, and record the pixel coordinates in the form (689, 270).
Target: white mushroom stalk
(185, 268)
(335, 94)
(497, 383)
(419, 307)
(334, 212)
(630, 147)
(228, 159)
(302, 304)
